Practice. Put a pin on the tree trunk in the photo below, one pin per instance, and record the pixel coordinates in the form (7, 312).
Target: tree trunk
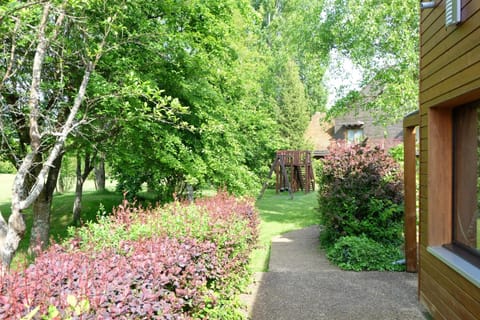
(41, 223)
(10, 236)
(12, 233)
(100, 174)
(81, 177)
(77, 204)
(44, 185)
(42, 209)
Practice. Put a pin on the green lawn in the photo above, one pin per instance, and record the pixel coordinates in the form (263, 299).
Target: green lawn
(280, 214)
(6, 182)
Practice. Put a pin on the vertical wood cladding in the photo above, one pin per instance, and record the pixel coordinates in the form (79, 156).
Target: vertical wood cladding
(449, 77)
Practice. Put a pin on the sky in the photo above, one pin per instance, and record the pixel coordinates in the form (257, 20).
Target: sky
(341, 77)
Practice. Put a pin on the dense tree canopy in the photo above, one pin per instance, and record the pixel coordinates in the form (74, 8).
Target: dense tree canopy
(381, 37)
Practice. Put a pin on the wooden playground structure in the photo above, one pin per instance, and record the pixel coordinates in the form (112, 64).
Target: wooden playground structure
(293, 170)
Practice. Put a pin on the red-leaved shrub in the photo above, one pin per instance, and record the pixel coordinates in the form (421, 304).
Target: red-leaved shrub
(360, 193)
(173, 270)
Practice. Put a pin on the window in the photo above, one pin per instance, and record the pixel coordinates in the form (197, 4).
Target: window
(355, 135)
(466, 183)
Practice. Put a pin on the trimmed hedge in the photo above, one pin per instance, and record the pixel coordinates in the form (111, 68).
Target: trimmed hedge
(176, 262)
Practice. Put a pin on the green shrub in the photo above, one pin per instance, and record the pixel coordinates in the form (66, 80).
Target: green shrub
(361, 207)
(230, 224)
(364, 254)
(179, 261)
(397, 153)
(7, 167)
(361, 193)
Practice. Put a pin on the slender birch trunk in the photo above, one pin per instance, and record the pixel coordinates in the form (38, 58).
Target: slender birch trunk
(11, 232)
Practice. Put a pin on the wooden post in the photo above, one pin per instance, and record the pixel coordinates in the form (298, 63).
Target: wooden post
(293, 171)
(272, 168)
(410, 195)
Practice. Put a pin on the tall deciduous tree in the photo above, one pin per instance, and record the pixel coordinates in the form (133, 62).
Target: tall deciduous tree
(52, 50)
(209, 62)
(297, 65)
(381, 37)
(293, 114)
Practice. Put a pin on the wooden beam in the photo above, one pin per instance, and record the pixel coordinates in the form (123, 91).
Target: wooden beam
(410, 199)
(272, 168)
(439, 177)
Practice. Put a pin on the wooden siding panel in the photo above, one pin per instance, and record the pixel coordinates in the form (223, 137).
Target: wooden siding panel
(468, 9)
(443, 69)
(464, 40)
(428, 15)
(440, 302)
(433, 33)
(458, 287)
(437, 40)
(462, 95)
(454, 85)
(452, 67)
(457, 292)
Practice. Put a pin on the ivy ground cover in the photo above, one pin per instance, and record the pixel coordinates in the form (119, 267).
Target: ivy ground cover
(180, 261)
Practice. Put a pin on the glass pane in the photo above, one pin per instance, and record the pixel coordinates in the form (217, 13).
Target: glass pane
(466, 177)
(355, 135)
(476, 221)
(350, 136)
(358, 135)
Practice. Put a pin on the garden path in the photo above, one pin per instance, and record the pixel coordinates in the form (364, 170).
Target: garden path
(302, 284)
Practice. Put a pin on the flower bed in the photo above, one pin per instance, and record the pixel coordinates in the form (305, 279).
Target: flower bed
(176, 262)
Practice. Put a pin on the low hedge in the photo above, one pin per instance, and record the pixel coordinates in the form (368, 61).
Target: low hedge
(176, 262)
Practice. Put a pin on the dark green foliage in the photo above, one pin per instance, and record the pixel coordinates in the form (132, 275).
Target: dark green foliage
(361, 253)
(360, 195)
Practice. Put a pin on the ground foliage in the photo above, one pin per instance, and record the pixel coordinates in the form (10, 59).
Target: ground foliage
(176, 262)
(361, 206)
(364, 254)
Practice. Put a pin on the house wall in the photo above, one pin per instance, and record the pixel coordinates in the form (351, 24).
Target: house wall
(384, 135)
(449, 77)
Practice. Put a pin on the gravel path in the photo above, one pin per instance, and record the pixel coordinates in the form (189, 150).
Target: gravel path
(302, 284)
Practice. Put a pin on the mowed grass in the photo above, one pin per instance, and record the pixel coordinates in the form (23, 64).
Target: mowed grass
(280, 214)
(6, 182)
(61, 218)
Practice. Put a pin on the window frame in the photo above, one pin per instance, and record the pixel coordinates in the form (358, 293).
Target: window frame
(354, 130)
(464, 132)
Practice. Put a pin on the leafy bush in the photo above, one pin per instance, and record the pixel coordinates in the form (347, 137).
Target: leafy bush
(176, 262)
(7, 167)
(362, 253)
(361, 192)
(360, 195)
(397, 153)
